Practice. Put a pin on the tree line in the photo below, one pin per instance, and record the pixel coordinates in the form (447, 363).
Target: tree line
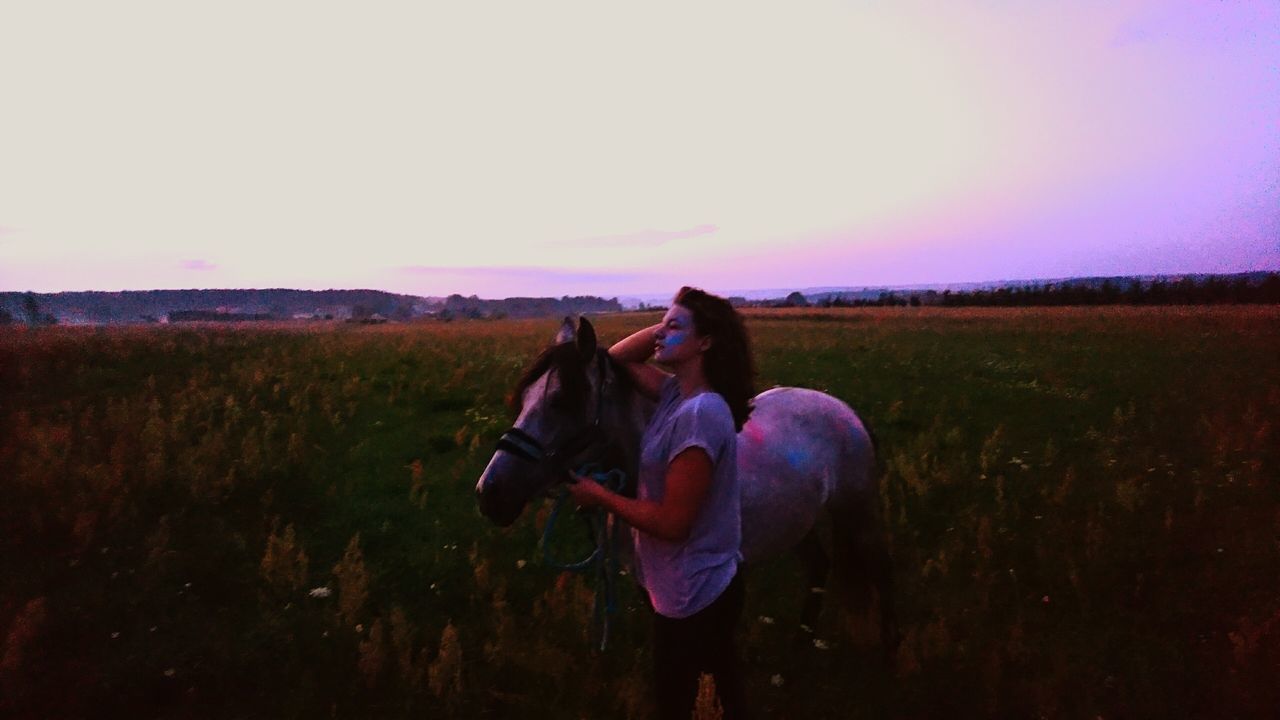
(1212, 290)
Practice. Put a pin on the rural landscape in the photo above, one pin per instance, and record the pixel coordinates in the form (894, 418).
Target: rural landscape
(278, 520)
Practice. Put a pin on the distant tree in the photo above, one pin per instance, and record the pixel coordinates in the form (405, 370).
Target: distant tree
(1269, 290)
(796, 299)
(403, 311)
(31, 308)
(915, 301)
(1110, 293)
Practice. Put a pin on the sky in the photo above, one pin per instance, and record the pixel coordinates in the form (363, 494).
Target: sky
(564, 148)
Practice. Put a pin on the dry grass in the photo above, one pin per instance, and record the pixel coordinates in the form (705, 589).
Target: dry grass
(1082, 503)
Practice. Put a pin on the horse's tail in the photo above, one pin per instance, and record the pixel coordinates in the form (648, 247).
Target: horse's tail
(861, 563)
(878, 467)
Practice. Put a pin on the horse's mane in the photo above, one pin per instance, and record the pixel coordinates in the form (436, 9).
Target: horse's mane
(566, 360)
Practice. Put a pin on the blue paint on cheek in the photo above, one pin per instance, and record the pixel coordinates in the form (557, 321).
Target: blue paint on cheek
(676, 338)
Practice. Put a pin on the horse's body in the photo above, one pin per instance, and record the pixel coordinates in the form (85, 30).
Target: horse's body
(800, 452)
(802, 455)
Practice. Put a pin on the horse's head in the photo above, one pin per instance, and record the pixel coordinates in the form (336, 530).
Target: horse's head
(558, 406)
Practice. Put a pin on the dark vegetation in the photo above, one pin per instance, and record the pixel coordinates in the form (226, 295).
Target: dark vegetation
(272, 522)
(1251, 288)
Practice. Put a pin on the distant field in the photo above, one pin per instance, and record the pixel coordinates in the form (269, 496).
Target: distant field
(1084, 507)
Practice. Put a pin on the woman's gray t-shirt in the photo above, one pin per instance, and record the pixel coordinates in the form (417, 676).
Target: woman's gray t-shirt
(685, 577)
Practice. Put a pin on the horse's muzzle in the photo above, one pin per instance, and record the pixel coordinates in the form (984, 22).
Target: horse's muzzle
(500, 513)
(494, 494)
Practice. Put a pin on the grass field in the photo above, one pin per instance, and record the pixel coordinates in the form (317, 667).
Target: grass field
(1084, 507)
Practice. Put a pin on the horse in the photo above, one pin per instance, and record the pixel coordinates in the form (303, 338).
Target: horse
(805, 462)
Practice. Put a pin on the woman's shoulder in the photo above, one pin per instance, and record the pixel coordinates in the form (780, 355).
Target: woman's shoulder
(709, 404)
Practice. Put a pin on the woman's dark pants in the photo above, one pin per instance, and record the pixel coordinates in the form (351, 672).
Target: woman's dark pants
(703, 642)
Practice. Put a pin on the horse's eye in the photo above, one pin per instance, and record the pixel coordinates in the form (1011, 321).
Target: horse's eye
(557, 401)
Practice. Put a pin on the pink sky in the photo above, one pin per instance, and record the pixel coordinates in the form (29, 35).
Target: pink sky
(570, 148)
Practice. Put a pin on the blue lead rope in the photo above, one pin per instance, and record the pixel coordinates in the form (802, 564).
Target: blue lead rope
(602, 563)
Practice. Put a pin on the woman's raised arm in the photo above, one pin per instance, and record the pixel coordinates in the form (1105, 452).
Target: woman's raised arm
(633, 353)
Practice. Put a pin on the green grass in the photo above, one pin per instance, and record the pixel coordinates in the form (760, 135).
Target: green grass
(1082, 506)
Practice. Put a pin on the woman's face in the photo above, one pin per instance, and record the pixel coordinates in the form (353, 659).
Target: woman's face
(676, 340)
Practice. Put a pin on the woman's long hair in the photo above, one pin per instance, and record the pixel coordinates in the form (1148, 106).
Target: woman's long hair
(728, 363)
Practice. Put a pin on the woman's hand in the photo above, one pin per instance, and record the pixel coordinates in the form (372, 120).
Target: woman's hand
(586, 492)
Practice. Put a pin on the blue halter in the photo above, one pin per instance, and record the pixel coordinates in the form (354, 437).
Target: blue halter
(602, 564)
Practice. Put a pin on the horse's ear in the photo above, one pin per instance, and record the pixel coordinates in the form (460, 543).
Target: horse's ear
(586, 339)
(566, 334)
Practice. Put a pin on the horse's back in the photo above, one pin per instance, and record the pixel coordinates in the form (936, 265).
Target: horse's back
(799, 451)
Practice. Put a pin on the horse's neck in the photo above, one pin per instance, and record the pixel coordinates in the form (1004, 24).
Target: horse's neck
(628, 415)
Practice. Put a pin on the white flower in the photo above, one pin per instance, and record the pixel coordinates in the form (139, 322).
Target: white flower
(521, 563)
(320, 592)
(766, 619)
(776, 680)
(821, 644)
(170, 673)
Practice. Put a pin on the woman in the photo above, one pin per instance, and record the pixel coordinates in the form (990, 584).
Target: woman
(686, 516)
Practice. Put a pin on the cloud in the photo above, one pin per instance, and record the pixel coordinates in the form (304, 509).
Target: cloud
(644, 238)
(520, 273)
(199, 265)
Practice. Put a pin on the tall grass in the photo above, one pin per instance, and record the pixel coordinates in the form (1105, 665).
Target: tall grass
(1083, 506)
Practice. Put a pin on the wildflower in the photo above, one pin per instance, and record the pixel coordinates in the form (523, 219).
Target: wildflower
(320, 592)
(817, 590)
(521, 563)
(776, 680)
(115, 635)
(821, 644)
(766, 619)
(170, 672)
(353, 581)
(1045, 599)
(806, 628)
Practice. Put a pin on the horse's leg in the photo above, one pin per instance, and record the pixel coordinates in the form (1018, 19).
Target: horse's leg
(816, 567)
